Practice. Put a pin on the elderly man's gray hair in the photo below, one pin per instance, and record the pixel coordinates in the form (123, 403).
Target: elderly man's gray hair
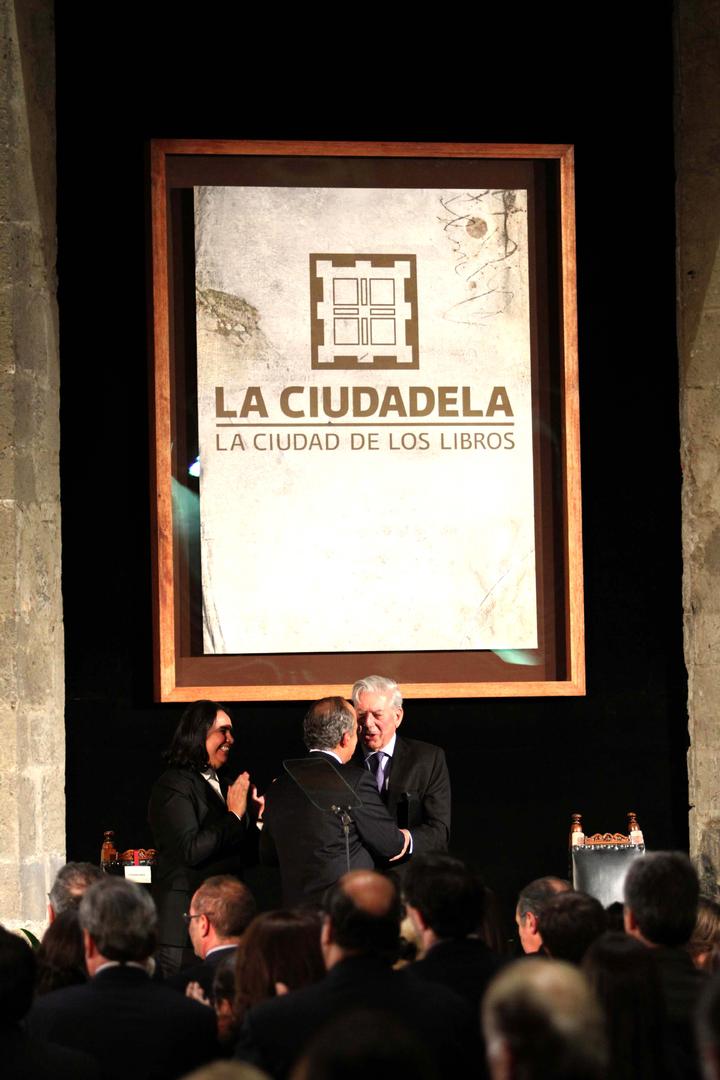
(70, 884)
(121, 919)
(377, 684)
(544, 1013)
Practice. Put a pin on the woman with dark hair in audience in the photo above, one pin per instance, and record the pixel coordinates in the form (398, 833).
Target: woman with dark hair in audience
(61, 956)
(279, 951)
(223, 1000)
(492, 929)
(199, 823)
(704, 945)
(622, 972)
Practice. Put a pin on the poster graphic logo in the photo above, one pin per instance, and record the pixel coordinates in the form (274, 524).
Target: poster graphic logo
(363, 312)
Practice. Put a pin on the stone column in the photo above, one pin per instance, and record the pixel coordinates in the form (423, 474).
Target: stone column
(697, 128)
(32, 735)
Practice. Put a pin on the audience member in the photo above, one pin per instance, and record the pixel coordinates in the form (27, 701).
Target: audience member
(615, 916)
(569, 923)
(624, 976)
(61, 956)
(529, 906)
(661, 897)
(492, 928)
(708, 1029)
(22, 1055)
(359, 941)
(445, 901)
(69, 886)
(280, 952)
(704, 944)
(227, 1070)
(364, 1044)
(410, 947)
(541, 1020)
(220, 911)
(223, 992)
(120, 1013)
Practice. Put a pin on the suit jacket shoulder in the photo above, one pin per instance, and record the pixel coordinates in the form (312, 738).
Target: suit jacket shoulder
(275, 1032)
(122, 1006)
(309, 843)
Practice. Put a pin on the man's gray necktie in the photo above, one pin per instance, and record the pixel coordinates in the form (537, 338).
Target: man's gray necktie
(376, 765)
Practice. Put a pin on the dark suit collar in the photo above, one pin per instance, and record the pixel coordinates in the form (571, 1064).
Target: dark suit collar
(219, 952)
(120, 973)
(353, 968)
(209, 789)
(330, 757)
(399, 752)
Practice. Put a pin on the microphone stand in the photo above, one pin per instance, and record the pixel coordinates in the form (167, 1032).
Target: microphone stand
(342, 813)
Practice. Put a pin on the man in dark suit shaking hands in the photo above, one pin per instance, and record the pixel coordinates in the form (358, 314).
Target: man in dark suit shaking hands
(411, 776)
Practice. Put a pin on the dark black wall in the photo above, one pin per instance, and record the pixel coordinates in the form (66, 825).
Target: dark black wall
(519, 767)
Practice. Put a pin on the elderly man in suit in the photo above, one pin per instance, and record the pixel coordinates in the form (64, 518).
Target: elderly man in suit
(411, 776)
(307, 842)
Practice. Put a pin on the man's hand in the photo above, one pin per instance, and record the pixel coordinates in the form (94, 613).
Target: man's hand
(195, 991)
(258, 802)
(406, 834)
(237, 795)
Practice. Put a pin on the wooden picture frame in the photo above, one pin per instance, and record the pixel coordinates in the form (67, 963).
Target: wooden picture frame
(183, 672)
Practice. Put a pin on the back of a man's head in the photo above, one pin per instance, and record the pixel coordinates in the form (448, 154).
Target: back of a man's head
(228, 904)
(17, 977)
(449, 896)
(366, 1043)
(535, 895)
(661, 898)
(120, 918)
(70, 884)
(531, 902)
(364, 913)
(541, 1021)
(569, 923)
(326, 722)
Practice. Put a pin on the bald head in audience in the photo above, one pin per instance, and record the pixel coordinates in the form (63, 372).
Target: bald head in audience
(541, 1019)
(363, 918)
(530, 903)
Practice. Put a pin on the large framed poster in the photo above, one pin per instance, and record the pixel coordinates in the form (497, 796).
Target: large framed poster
(366, 447)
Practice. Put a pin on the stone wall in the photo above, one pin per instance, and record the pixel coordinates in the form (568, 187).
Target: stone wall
(32, 731)
(697, 126)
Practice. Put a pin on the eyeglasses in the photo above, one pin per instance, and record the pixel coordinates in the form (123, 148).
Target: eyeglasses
(188, 918)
